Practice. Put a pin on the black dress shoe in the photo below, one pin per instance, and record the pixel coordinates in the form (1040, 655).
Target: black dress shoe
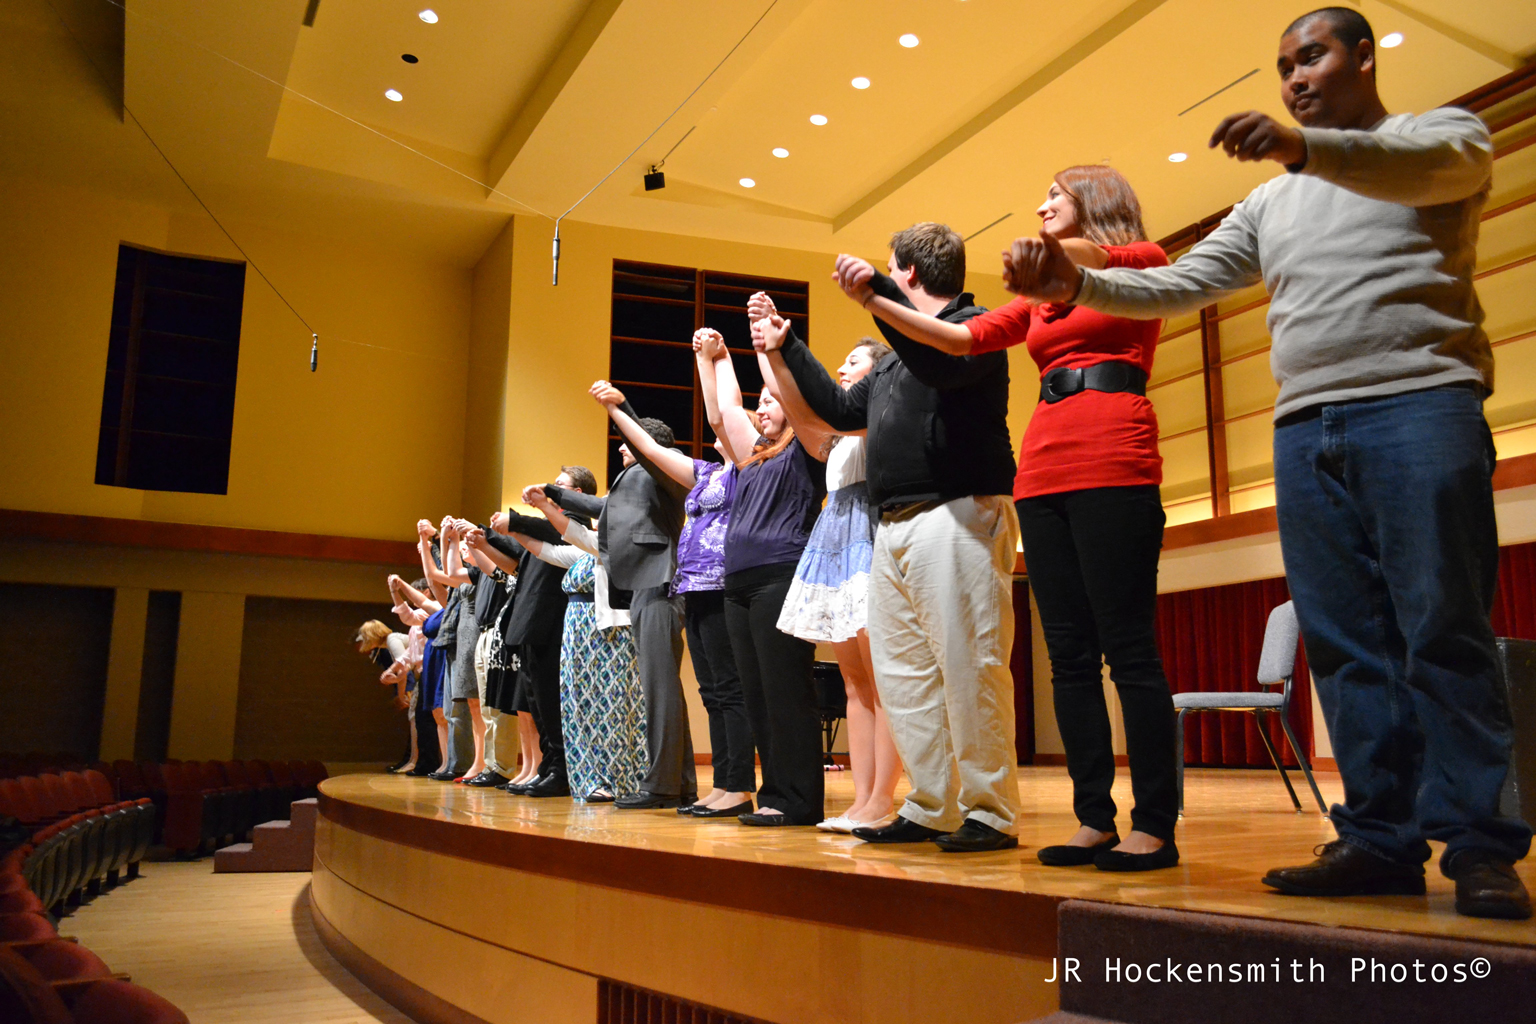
(549, 785)
(975, 837)
(521, 788)
(418, 772)
(899, 831)
(1165, 856)
(767, 820)
(1487, 886)
(399, 764)
(1075, 856)
(441, 776)
(735, 811)
(645, 802)
(1344, 869)
(487, 780)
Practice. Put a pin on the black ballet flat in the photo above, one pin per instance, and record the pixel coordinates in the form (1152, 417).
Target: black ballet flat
(723, 812)
(1075, 856)
(1165, 856)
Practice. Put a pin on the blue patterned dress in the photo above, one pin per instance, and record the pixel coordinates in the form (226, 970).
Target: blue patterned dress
(602, 710)
(828, 600)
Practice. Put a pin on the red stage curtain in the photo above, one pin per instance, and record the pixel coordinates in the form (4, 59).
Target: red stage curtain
(1514, 603)
(1210, 640)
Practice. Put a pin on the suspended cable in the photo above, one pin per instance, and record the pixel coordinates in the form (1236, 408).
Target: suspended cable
(648, 138)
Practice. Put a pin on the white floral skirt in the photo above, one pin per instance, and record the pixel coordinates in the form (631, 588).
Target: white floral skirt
(828, 601)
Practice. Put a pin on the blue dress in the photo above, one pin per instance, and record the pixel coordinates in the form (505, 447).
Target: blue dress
(434, 663)
(828, 602)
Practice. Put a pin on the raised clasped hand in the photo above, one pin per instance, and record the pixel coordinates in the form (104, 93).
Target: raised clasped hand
(853, 276)
(1040, 269)
(606, 394)
(499, 522)
(708, 342)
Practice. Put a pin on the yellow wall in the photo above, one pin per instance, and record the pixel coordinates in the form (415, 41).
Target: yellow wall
(321, 453)
(559, 335)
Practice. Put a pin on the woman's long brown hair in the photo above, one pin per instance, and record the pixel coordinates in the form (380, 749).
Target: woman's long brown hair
(1108, 212)
(762, 452)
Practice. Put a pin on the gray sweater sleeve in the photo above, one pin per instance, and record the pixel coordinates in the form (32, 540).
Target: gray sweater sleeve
(1224, 262)
(1441, 156)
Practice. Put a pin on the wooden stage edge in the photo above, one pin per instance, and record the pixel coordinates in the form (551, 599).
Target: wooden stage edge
(542, 906)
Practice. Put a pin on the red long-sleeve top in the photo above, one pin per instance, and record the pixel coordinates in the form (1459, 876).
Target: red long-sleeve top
(1093, 438)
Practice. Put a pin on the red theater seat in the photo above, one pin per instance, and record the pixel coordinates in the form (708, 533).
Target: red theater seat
(119, 1002)
(61, 960)
(26, 928)
(25, 996)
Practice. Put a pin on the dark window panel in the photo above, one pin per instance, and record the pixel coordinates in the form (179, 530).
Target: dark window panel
(170, 355)
(650, 364)
(180, 407)
(674, 408)
(168, 462)
(635, 319)
(198, 316)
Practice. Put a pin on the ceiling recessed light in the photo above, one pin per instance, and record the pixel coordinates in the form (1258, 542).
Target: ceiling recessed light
(1391, 39)
(409, 58)
(909, 40)
(429, 16)
(861, 82)
(780, 152)
(393, 94)
(1177, 158)
(748, 183)
(818, 119)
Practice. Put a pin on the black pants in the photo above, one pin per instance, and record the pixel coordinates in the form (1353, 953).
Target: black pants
(1092, 557)
(428, 756)
(775, 671)
(541, 682)
(714, 664)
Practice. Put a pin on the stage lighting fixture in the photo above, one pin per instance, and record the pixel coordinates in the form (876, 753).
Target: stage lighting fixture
(393, 95)
(429, 16)
(1391, 39)
(818, 119)
(655, 179)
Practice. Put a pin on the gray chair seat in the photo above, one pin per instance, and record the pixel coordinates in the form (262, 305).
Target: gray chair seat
(1208, 701)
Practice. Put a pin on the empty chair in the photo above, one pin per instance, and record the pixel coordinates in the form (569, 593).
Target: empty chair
(59, 960)
(1277, 666)
(21, 901)
(25, 995)
(26, 928)
(121, 1002)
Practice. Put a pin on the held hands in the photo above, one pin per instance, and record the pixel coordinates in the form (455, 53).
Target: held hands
(1257, 136)
(853, 276)
(708, 343)
(534, 495)
(462, 527)
(475, 538)
(606, 394)
(760, 307)
(1040, 269)
(499, 522)
(425, 529)
(768, 335)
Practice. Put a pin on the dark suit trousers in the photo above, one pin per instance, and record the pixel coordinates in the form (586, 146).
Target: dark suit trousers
(540, 667)
(657, 627)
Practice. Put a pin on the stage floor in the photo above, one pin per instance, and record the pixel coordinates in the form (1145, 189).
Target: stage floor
(1237, 824)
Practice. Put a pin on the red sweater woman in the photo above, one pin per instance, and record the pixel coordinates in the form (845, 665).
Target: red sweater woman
(1091, 516)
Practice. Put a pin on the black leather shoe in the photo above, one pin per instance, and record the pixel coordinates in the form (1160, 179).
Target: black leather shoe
(1344, 869)
(975, 837)
(418, 773)
(735, 811)
(645, 802)
(1075, 856)
(1487, 886)
(899, 831)
(399, 764)
(521, 788)
(487, 780)
(1165, 856)
(441, 776)
(554, 784)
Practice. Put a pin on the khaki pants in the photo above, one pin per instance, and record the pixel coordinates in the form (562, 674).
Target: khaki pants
(500, 729)
(941, 632)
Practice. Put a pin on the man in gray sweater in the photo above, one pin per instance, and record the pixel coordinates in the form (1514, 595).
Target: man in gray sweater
(1383, 460)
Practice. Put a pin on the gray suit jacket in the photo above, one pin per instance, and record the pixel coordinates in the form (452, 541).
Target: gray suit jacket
(638, 523)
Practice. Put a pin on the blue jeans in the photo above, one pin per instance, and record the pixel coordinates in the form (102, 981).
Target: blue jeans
(1391, 553)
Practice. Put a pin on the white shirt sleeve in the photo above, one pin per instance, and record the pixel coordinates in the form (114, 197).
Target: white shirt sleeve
(1442, 156)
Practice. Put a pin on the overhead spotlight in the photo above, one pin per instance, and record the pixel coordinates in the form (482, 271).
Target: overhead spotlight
(909, 40)
(393, 94)
(818, 119)
(780, 152)
(1177, 158)
(861, 82)
(655, 179)
(429, 16)
(748, 183)
(1391, 39)
(410, 58)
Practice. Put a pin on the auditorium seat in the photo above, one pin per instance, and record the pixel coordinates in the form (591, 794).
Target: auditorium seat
(59, 960)
(121, 1002)
(25, 996)
(26, 928)
(21, 901)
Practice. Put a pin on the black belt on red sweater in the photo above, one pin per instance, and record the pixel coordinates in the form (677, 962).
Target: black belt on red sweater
(1065, 382)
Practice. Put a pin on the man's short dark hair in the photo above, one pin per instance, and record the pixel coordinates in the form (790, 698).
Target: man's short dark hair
(582, 478)
(937, 253)
(1347, 25)
(659, 431)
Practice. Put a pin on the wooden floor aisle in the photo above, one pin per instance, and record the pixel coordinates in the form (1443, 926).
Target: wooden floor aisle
(227, 949)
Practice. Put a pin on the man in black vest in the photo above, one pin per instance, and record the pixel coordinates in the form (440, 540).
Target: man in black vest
(637, 529)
